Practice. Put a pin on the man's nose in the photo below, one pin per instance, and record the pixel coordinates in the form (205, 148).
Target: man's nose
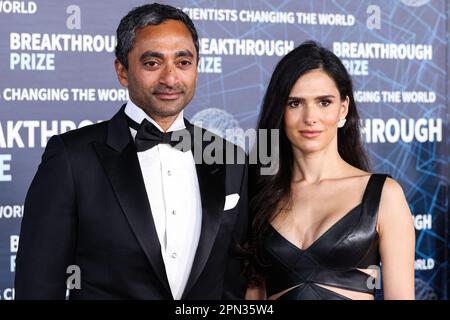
(169, 75)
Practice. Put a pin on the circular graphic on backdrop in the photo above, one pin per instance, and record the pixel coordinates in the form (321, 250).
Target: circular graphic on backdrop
(222, 123)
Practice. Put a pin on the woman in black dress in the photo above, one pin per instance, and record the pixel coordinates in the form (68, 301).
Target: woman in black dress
(322, 222)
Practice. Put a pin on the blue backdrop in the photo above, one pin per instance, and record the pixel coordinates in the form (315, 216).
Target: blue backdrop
(56, 74)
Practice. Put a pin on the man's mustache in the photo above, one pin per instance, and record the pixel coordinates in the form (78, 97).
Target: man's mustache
(168, 90)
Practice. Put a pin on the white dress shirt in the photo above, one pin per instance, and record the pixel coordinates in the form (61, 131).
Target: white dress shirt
(172, 188)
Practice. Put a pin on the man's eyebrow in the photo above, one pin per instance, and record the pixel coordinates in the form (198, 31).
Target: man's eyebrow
(151, 54)
(184, 53)
(159, 55)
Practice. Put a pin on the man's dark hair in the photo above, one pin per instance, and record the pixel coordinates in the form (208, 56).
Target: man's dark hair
(149, 14)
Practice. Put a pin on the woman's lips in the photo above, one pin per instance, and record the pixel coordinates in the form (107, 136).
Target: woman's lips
(310, 133)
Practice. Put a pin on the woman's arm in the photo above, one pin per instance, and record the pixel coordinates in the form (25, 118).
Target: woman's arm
(397, 243)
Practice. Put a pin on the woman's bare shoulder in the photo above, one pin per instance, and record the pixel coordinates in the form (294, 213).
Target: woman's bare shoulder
(394, 209)
(392, 191)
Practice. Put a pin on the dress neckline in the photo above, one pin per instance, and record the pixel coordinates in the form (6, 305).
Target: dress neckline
(332, 227)
(323, 235)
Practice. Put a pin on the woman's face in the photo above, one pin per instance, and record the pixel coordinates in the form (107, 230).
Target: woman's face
(313, 110)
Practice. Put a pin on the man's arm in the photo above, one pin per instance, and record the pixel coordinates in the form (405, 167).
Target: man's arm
(235, 283)
(48, 230)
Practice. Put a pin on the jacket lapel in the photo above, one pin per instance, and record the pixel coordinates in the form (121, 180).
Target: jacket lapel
(211, 180)
(119, 159)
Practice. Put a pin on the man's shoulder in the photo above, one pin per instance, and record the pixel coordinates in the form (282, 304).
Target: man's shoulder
(87, 134)
(96, 132)
(75, 142)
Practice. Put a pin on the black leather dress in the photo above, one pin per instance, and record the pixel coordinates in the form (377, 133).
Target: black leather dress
(333, 259)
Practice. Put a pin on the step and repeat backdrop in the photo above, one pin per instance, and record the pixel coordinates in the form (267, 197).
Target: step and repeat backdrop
(57, 74)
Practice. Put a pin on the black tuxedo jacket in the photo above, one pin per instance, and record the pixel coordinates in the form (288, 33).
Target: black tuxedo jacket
(87, 206)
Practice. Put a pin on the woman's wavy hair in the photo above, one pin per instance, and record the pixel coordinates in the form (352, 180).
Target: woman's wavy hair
(269, 193)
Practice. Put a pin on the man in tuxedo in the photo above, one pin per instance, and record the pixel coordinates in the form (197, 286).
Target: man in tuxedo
(137, 215)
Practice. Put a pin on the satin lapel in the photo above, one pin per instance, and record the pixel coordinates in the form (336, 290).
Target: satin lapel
(119, 158)
(211, 180)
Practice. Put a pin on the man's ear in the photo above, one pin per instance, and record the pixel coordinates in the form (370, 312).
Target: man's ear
(122, 73)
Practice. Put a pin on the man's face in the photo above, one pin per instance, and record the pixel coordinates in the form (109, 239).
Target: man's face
(162, 69)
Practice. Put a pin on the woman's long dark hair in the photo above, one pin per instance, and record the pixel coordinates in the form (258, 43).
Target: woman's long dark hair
(268, 192)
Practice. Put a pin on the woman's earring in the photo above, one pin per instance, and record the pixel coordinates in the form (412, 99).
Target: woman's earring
(341, 122)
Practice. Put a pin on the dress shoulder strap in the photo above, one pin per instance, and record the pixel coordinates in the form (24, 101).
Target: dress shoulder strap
(372, 195)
